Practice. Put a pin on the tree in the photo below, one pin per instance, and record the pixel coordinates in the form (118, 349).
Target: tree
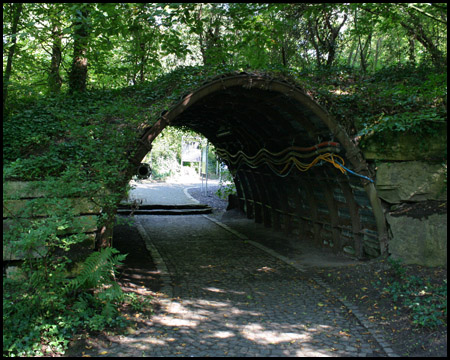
(130, 43)
(81, 26)
(323, 26)
(425, 23)
(363, 27)
(54, 78)
(144, 35)
(15, 12)
(206, 22)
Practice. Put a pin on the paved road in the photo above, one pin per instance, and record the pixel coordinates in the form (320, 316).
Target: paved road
(151, 193)
(154, 193)
(232, 299)
(226, 297)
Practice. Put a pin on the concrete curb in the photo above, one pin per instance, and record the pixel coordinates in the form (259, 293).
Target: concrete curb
(185, 190)
(166, 278)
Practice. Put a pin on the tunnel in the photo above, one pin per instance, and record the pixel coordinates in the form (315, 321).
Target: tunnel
(295, 168)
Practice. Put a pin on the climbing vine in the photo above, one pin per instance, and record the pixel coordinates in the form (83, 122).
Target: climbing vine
(48, 134)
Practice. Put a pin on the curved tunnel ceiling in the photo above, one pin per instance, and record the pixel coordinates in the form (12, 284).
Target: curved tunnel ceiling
(251, 119)
(262, 127)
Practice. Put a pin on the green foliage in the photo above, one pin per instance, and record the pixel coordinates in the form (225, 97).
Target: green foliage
(401, 98)
(138, 303)
(165, 157)
(42, 307)
(413, 102)
(53, 136)
(131, 43)
(425, 302)
(226, 185)
(97, 270)
(41, 310)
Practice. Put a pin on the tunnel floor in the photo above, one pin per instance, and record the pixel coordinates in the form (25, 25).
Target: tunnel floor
(220, 295)
(228, 298)
(216, 294)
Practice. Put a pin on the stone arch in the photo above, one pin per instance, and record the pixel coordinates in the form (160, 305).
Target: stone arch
(245, 113)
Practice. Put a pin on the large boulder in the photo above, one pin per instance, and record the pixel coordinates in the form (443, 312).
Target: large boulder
(411, 181)
(421, 241)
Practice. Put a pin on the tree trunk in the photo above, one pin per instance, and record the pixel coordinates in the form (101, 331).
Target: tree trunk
(350, 55)
(353, 63)
(364, 52)
(78, 74)
(416, 31)
(16, 11)
(377, 52)
(283, 56)
(142, 63)
(54, 80)
(412, 52)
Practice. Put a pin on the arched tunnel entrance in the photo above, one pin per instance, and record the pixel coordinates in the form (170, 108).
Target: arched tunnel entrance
(285, 152)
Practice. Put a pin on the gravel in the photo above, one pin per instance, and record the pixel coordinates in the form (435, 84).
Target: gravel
(210, 198)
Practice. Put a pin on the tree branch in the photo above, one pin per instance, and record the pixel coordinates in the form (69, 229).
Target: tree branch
(412, 6)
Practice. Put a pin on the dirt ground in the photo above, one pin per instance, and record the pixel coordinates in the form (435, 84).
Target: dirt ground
(363, 285)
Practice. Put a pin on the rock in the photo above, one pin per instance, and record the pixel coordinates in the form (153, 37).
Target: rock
(349, 250)
(411, 181)
(371, 244)
(419, 241)
(391, 145)
(15, 273)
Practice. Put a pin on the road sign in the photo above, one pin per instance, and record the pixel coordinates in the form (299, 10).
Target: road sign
(190, 150)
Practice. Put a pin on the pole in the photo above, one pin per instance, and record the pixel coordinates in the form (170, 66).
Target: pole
(200, 169)
(206, 169)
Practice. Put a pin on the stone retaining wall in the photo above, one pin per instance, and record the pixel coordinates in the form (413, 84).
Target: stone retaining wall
(414, 194)
(24, 201)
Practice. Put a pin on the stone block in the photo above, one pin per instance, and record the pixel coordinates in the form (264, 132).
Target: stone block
(15, 273)
(33, 189)
(22, 189)
(85, 223)
(411, 181)
(44, 207)
(419, 241)
(391, 145)
(11, 252)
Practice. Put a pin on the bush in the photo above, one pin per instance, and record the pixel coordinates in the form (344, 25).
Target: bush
(425, 302)
(42, 309)
(226, 185)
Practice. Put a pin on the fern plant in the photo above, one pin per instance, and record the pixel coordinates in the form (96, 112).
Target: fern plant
(98, 274)
(98, 270)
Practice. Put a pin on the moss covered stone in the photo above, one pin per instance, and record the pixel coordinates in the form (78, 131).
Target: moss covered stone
(404, 146)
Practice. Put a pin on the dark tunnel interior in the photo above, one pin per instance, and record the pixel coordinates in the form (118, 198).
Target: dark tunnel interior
(285, 161)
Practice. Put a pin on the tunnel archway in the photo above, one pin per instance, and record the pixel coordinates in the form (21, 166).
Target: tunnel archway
(267, 129)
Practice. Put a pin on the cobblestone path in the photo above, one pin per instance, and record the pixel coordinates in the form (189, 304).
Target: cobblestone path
(229, 298)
